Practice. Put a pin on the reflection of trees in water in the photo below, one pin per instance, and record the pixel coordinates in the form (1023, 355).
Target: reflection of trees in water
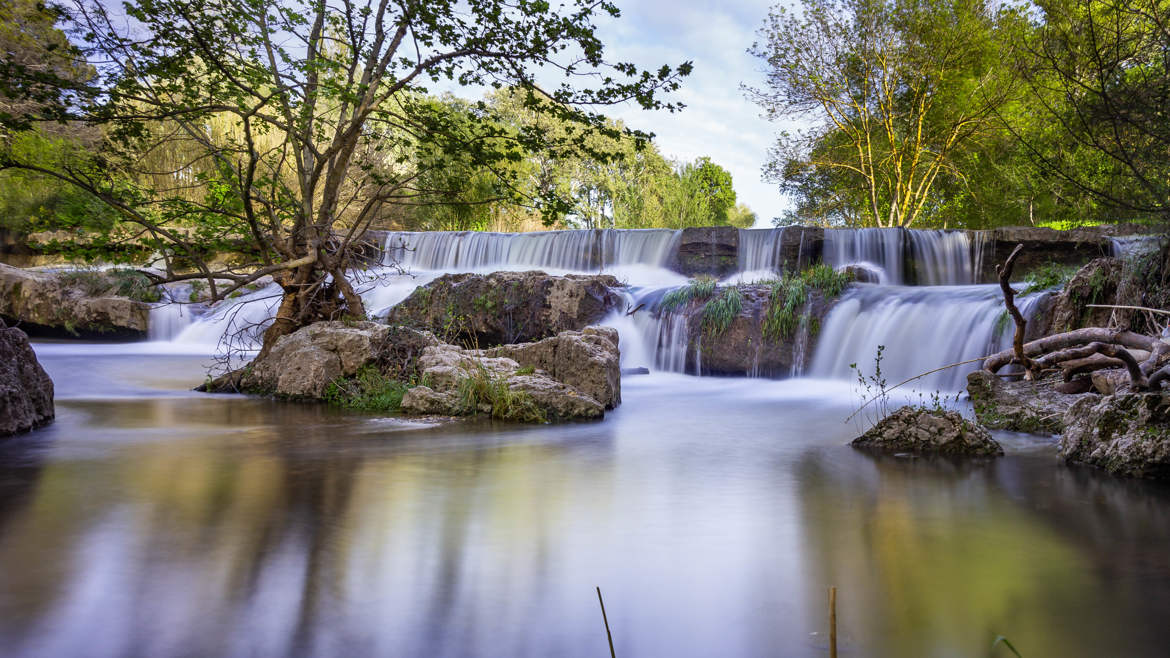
(935, 557)
(266, 528)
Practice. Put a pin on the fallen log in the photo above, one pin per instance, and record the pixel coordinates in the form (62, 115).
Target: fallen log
(1072, 339)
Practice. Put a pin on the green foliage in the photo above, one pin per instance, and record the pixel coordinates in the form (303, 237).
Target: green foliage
(481, 388)
(367, 390)
(526, 370)
(719, 313)
(701, 287)
(1048, 276)
(112, 282)
(790, 293)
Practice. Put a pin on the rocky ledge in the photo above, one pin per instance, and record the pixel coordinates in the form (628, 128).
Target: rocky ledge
(26, 392)
(1127, 434)
(1035, 407)
(573, 375)
(484, 310)
(928, 431)
(71, 304)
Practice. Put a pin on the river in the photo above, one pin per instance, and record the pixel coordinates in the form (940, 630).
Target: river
(713, 513)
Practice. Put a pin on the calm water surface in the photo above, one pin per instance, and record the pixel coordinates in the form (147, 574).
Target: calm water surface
(713, 513)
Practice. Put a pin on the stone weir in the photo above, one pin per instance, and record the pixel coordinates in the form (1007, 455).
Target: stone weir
(898, 256)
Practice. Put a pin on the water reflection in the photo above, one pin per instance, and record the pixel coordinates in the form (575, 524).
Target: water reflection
(712, 513)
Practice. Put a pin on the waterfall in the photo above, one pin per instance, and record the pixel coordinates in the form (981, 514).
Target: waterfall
(921, 328)
(939, 257)
(760, 250)
(579, 250)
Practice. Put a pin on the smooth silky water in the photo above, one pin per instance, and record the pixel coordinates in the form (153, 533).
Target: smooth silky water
(714, 513)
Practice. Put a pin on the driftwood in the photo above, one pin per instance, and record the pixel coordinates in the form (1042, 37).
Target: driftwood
(1072, 339)
(1009, 296)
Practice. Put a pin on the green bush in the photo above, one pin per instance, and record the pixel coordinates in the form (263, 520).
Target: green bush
(116, 282)
(1049, 275)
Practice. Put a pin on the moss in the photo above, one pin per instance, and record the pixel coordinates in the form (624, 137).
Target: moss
(367, 390)
(1047, 276)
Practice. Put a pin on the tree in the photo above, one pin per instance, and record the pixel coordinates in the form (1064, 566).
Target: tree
(1099, 77)
(897, 88)
(289, 125)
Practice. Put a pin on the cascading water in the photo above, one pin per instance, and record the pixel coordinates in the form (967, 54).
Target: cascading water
(922, 328)
(940, 258)
(579, 251)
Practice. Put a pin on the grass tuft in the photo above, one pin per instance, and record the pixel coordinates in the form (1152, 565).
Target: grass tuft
(790, 293)
(367, 390)
(482, 388)
(719, 313)
(699, 288)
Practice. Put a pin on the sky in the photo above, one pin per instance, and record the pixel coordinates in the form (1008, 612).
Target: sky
(719, 121)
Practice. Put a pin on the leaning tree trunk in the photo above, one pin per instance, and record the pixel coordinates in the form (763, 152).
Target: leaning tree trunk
(312, 293)
(1009, 295)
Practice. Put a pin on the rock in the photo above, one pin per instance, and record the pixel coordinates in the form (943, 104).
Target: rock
(304, 363)
(45, 304)
(1035, 407)
(862, 273)
(558, 380)
(587, 360)
(478, 310)
(1095, 283)
(1127, 435)
(711, 250)
(1111, 381)
(26, 392)
(742, 348)
(925, 431)
(1041, 247)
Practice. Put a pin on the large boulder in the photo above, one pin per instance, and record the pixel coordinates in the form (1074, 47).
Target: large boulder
(574, 375)
(710, 250)
(587, 360)
(1127, 435)
(928, 431)
(67, 305)
(461, 382)
(26, 392)
(304, 363)
(1035, 407)
(484, 310)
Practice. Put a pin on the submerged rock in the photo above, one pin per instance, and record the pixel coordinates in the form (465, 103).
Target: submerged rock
(26, 392)
(1127, 435)
(926, 431)
(1035, 407)
(483, 310)
(48, 304)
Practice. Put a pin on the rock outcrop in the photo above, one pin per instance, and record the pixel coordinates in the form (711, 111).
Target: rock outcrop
(484, 310)
(574, 375)
(587, 360)
(926, 431)
(49, 304)
(302, 364)
(1042, 246)
(1097, 282)
(26, 392)
(750, 343)
(710, 250)
(1127, 435)
(1035, 407)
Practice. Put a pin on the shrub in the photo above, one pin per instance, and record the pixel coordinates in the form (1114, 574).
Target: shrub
(1049, 275)
(719, 313)
(120, 282)
(790, 293)
(699, 288)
